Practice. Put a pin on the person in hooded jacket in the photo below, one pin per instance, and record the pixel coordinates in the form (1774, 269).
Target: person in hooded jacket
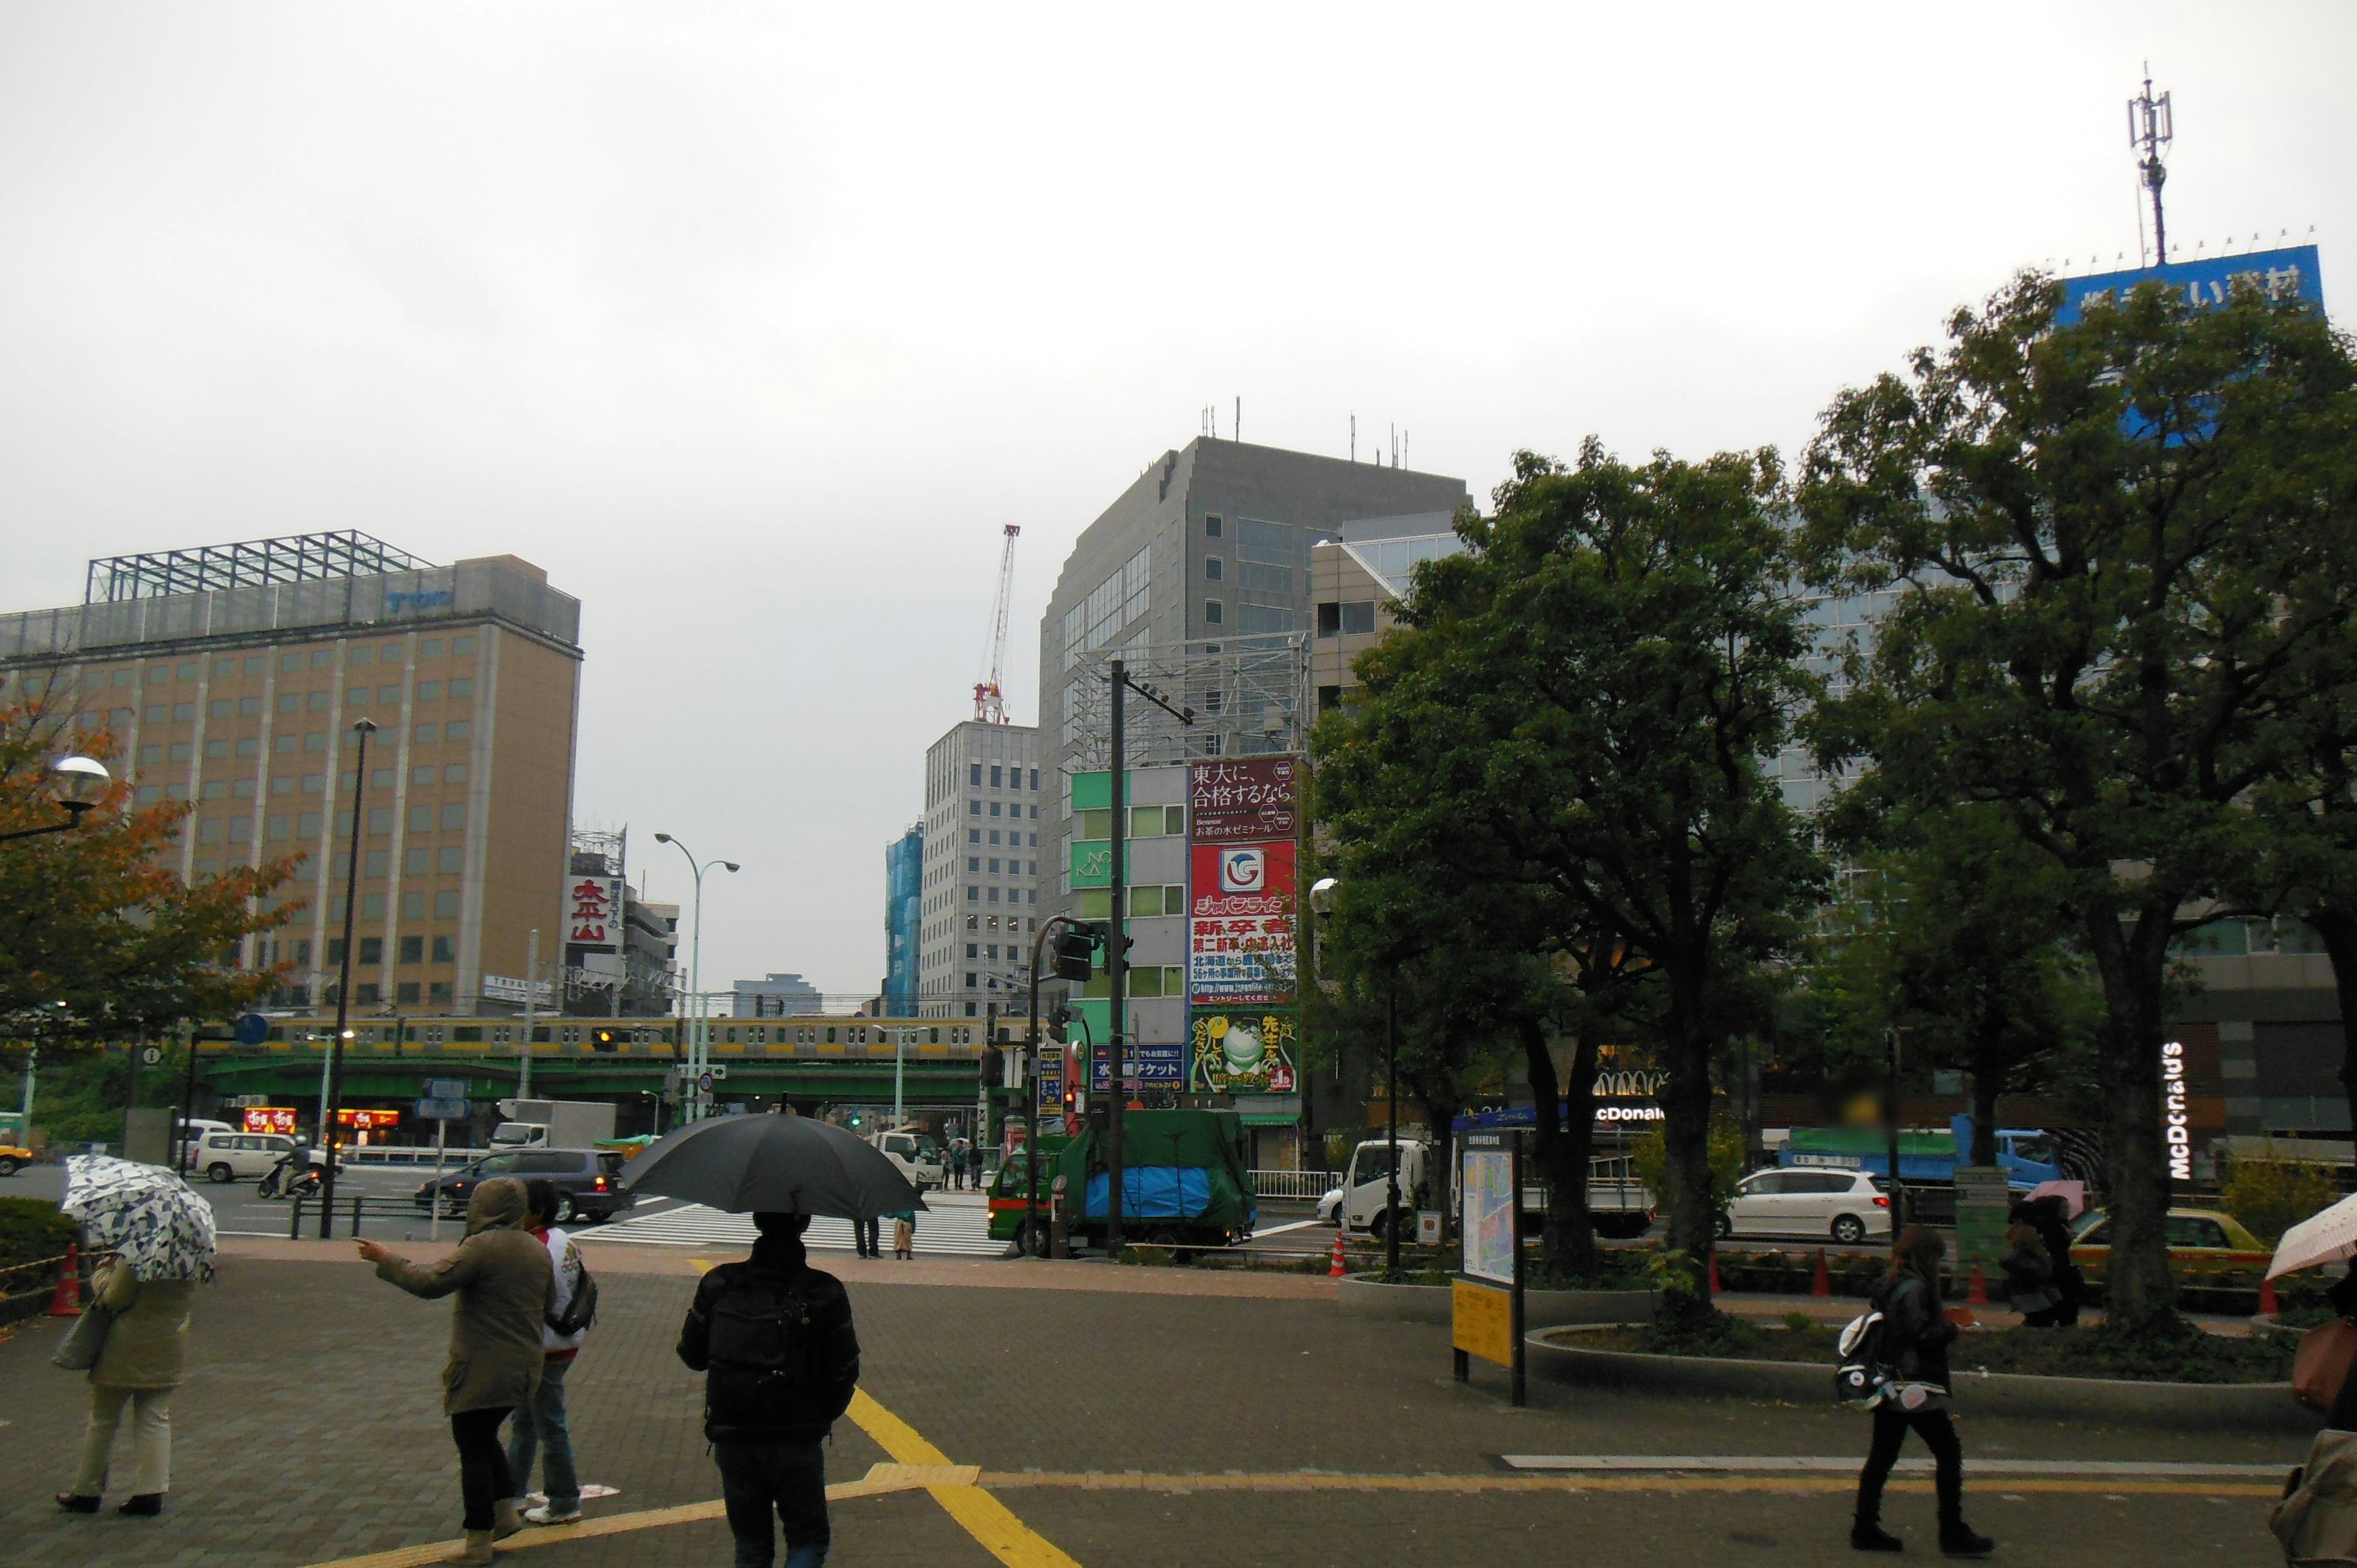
(139, 1365)
(505, 1286)
(774, 1338)
(1916, 1335)
(2050, 1218)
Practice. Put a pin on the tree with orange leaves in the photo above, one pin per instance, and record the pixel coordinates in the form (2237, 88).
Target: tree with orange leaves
(99, 939)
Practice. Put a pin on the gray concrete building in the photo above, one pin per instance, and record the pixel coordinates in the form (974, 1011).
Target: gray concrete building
(983, 788)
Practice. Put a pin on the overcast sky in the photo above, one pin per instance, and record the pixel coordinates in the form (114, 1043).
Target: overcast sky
(752, 324)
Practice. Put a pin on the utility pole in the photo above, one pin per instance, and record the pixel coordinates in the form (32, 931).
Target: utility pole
(1116, 974)
(524, 1045)
(1898, 1194)
(331, 1104)
(2150, 130)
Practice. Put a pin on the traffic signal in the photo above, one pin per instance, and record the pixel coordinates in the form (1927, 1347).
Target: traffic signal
(1076, 951)
(604, 1039)
(1060, 1023)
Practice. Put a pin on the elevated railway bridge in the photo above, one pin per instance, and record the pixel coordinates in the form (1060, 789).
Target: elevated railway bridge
(813, 1062)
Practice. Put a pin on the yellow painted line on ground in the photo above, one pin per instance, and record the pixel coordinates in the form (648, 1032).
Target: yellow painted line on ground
(880, 1481)
(982, 1516)
(1334, 1481)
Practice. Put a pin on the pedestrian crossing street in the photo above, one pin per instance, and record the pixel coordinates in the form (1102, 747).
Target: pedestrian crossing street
(957, 1224)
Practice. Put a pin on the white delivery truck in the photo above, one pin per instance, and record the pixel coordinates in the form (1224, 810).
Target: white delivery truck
(1617, 1203)
(912, 1152)
(554, 1124)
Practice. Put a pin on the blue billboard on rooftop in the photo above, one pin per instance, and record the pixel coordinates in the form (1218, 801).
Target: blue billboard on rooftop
(2290, 274)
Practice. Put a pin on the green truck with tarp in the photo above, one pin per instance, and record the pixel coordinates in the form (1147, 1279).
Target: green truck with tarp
(1185, 1183)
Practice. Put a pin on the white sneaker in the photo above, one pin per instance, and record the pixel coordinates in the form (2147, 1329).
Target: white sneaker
(541, 1515)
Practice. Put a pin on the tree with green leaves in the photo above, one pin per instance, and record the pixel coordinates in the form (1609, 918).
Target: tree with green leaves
(99, 939)
(1956, 931)
(2110, 544)
(1595, 693)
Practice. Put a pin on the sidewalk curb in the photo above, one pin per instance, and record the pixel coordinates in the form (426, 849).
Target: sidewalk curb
(2242, 1407)
(1542, 1308)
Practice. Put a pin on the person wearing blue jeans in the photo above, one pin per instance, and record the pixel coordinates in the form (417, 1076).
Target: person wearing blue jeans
(774, 1338)
(538, 1428)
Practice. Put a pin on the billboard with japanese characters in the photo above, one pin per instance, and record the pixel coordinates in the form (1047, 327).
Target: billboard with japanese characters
(2288, 273)
(1240, 923)
(593, 911)
(1245, 799)
(1243, 1050)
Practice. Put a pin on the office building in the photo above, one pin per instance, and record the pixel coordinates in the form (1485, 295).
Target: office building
(904, 914)
(231, 676)
(979, 899)
(775, 996)
(620, 953)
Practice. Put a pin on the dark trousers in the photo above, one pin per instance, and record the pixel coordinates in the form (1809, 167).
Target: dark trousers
(483, 1478)
(1938, 1434)
(865, 1235)
(788, 1477)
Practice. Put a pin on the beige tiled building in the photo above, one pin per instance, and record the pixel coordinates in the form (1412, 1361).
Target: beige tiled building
(232, 677)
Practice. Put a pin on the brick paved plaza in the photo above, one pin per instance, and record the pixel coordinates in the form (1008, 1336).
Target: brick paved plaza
(1114, 1417)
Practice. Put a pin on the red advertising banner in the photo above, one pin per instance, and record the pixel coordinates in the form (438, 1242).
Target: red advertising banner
(1248, 799)
(270, 1119)
(1240, 923)
(593, 911)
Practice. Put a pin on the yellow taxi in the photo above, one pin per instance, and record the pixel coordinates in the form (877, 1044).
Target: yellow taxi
(13, 1159)
(2200, 1238)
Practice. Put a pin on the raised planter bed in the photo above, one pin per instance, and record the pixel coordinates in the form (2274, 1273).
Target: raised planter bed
(1557, 1354)
(1364, 1296)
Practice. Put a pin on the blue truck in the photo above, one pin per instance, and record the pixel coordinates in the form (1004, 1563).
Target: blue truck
(1925, 1155)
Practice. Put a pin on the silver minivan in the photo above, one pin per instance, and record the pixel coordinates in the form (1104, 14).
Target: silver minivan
(239, 1157)
(1847, 1205)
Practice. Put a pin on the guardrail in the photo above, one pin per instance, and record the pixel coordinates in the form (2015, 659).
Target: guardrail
(1293, 1184)
(351, 1212)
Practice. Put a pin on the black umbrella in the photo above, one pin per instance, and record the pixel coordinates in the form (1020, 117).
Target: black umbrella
(783, 1164)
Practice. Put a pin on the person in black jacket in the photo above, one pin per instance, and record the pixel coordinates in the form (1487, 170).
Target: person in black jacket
(1916, 1335)
(2050, 1218)
(774, 1338)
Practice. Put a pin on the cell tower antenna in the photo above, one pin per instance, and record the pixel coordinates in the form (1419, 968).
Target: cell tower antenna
(2150, 130)
(989, 702)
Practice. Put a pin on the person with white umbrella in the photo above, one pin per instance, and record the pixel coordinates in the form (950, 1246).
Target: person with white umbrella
(158, 1237)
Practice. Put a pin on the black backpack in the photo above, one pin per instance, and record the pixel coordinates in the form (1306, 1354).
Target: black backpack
(581, 1307)
(1865, 1374)
(759, 1348)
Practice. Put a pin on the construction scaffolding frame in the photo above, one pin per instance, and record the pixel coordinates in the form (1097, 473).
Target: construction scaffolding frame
(296, 558)
(1250, 696)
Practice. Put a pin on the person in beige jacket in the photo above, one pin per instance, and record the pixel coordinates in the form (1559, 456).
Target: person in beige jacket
(143, 1360)
(505, 1284)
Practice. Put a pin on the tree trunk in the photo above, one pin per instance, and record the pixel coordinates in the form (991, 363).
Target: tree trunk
(1693, 1227)
(2337, 930)
(2133, 962)
(1988, 1077)
(1568, 1243)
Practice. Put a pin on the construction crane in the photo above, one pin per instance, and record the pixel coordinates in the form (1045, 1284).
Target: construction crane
(989, 702)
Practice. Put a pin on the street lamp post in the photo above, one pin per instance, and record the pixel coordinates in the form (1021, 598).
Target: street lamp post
(695, 1051)
(1321, 902)
(332, 1104)
(82, 783)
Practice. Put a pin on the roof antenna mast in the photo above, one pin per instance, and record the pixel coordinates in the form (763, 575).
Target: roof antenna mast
(989, 702)
(2150, 131)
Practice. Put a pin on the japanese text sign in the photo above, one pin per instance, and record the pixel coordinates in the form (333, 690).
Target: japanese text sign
(593, 911)
(1240, 923)
(1245, 1051)
(1245, 799)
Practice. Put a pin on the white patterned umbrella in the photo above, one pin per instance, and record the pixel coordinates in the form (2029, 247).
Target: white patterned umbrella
(145, 1213)
(2322, 1238)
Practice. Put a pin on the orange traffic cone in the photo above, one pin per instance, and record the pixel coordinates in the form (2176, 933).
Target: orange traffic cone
(1823, 1283)
(2268, 1306)
(67, 1301)
(1716, 1288)
(1335, 1273)
(1978, 1295)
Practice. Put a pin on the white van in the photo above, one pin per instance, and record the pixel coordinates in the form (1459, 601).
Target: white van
(239, 1157)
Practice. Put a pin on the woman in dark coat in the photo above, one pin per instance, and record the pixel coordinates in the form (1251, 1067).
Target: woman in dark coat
(2050, 1218)
(1916, 1336)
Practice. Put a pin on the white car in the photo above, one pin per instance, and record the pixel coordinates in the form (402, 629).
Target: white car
(238, 1157)
(1330, 1208)
(1845, 1205)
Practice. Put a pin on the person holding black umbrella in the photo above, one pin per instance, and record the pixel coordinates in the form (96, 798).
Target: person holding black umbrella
(780, 1357)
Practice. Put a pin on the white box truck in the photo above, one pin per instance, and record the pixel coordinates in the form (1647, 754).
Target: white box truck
(554, 1124)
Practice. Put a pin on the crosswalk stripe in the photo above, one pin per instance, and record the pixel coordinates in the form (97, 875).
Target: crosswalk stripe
(946, 1229)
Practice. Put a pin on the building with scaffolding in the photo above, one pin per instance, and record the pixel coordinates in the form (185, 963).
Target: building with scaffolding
(230, 677)
(621, 952)
(904, 918)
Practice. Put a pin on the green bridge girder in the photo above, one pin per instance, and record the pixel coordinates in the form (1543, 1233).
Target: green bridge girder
(380, 1076)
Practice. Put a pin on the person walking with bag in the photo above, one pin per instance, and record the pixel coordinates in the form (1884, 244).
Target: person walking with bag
(142, 1359)
(2028, 1272)
(1916, 1334)
(501, 1277)
(2050, 1218)
(538, 1427)
(775, 1339)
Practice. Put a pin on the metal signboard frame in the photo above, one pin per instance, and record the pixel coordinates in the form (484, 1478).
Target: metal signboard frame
(1473, 1295)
